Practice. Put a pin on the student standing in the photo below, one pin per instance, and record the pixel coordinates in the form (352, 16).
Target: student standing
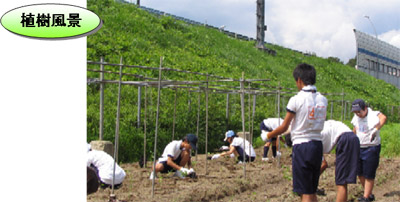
(367, 124)
(306, 113)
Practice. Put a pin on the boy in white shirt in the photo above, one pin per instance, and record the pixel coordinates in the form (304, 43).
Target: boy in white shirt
(267, 125)
(367, 124)
(103, 164)
(347, 154)
(175, 156)
(236, 148)
(306, 113)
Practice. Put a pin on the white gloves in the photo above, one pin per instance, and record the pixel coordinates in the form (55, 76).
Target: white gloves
(190, 171)
(232, 155)
(372, 133)
(215, 156)
(184, 170)
(224, 148)
(264, 135)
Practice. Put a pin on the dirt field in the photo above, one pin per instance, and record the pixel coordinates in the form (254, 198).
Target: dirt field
(225, 181)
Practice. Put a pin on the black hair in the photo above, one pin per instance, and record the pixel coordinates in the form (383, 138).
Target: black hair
(306, 73)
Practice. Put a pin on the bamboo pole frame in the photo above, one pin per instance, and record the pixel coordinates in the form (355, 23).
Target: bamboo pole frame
(191, 87)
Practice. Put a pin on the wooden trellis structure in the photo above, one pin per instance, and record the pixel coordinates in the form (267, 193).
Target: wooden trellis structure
(210, 85)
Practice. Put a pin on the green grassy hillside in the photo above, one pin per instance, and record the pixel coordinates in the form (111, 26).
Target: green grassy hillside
(141, 38)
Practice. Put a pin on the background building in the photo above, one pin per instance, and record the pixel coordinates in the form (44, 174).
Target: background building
(378, 58)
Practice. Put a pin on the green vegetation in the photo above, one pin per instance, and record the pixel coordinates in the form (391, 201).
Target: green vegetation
(390, 138)
(141, 38)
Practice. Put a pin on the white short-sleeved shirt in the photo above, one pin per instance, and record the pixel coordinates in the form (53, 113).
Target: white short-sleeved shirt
(173, 150)
(364, 125)
(273, 123)
(105, 165)
(331, 133)
(238, 141)
(309, 107)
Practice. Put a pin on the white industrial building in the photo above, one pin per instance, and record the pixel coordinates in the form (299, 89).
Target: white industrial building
(378, 58)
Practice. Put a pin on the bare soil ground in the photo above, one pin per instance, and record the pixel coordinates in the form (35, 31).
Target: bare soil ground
(225, 181)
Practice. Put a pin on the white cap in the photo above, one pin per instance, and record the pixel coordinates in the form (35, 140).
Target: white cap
(264, 135)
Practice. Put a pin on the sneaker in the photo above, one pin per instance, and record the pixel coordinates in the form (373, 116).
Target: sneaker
(371, 197)
(321, 192)
(363, 199)
(179, 174)
(240, 162)
(265, 159)
(152, 175)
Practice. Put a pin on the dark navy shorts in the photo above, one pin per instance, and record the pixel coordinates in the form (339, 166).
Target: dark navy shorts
(347, 155)
(306, 164)
(368, 161)
(168, 168)
(271, 139)
(241, 152)
(264, 127)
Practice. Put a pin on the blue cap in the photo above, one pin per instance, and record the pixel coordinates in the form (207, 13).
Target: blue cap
(192, 139)
(228, 134)
(357, 105)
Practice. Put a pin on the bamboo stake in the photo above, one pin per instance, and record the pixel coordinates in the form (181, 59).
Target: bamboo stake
(341, 117)
(156, 132)
(117, 128)
(243, 123)
(101, 124)
(145, 128)
(173, 122)
(198, 119)
(249, 125)
(139, 107)
(227, 112)
(279, 122)
(206, 151)
(252, 120)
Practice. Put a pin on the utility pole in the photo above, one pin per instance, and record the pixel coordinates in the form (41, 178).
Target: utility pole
(261, 27)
